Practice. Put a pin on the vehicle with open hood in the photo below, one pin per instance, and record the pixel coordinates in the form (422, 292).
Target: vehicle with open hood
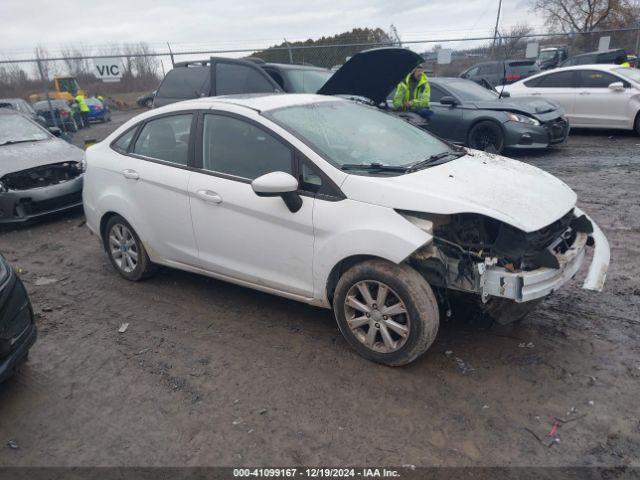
(39, 173)
(340, 205)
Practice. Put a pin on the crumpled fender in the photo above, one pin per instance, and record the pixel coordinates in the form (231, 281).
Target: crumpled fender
(597, 273)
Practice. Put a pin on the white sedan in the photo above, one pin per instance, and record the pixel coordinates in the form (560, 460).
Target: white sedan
(338, 205)
(593, 96)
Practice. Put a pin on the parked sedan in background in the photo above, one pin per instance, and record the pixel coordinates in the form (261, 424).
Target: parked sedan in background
(593, 96)
(17, 327)
(39, 173)
(62, 116)
(468, 114)
(98, 111)
(501, 72)
(326, 201)
(22, 106)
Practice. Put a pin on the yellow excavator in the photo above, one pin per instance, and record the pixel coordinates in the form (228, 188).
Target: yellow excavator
(64, 88)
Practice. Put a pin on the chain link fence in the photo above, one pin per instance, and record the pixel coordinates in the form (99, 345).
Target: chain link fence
(143, 67)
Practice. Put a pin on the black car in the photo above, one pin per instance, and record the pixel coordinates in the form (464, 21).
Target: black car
(293, 78)
(17, 327)
(614, 56)
(501, 72)
(470, 115)
(22, 106)
(62, 116)
(146, 100)
(39, 173)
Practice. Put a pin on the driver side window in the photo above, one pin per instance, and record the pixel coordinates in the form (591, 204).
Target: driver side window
(235, 147)
(436, 94)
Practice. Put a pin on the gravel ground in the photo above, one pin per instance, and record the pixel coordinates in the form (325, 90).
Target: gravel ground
(209, 373)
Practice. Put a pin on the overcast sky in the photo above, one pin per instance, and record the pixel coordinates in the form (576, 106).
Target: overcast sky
(243, 24)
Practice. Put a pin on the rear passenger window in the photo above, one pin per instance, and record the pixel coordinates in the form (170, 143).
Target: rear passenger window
(238, 148)
(166, 139)
(557, 80)
(184, 82)
(235, 78)
(122, 144)
(596, 79)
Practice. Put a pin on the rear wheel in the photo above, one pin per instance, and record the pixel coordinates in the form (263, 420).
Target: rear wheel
(636, 125)
(386, 312)
(487, 136)
(126, 252)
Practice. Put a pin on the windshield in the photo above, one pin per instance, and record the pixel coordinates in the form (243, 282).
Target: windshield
(547, 55)
(15, 128)
(307, 80)
(346, 133)
(628, 73)
(470, 91)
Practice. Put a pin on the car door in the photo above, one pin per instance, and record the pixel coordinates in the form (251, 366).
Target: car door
(152, 173)
(445, 122)
(241, 236)
(597, 105)
(559, 87)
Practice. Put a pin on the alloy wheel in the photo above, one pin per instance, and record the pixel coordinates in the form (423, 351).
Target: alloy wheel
(123, 248)
(377, 316)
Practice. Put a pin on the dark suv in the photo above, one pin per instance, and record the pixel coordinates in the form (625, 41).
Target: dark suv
(501, 72)
(616, 56)
(209, 78)
(194, 79)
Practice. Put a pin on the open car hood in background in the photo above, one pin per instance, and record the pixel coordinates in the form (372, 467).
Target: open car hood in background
(372, 73)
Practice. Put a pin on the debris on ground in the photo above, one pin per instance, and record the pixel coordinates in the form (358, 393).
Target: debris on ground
(448, 353)
(463, 366)
(44, 281)
(526, 345)
(12, 445)
(552, 438)
(263, 411)
(237, 421)
(123, 327)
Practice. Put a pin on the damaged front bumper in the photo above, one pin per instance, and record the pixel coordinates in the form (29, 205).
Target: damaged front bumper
(490, 280)
(17, 206)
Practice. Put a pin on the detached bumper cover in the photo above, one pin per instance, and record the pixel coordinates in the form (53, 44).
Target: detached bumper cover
(526, 286)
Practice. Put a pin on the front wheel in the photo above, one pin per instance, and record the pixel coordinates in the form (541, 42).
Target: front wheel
(386, 312)
(636, 125)
(486, 136)
(126, 252)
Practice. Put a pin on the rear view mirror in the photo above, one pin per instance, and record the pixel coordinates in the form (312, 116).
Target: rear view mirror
(449, 100)
(279, 184)
(616, 86)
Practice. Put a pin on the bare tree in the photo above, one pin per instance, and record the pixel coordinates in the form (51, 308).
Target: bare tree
(581, 15)
(513, 40)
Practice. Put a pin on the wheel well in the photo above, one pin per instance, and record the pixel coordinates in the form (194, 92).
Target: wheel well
(103, 224)
(476, 122)
(636, 122)
(341, 267)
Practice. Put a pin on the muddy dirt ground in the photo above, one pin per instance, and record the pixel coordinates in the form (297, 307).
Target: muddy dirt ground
(213, 374)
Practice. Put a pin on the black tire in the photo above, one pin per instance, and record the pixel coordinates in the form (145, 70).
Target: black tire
(487, 136)
(144, 268)
(636, 125)
(421, 318)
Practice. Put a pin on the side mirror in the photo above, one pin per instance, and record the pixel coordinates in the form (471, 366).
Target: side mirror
(506, 94)
(616, 86)
(55, 131)
(279, 184)
(449, 100)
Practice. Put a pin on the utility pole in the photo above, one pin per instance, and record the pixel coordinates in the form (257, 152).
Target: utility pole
(173, 64)
(45, 86)
(289, 48)
(394, 33)
(495, 32)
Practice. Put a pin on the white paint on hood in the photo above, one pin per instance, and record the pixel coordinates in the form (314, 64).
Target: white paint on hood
(510, 191)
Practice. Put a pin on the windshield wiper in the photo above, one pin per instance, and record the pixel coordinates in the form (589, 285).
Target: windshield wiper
(11, 142)
(432, 160)
(376, 167)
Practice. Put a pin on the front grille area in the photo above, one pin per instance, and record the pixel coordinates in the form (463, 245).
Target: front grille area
(42, 176)
(557, 129)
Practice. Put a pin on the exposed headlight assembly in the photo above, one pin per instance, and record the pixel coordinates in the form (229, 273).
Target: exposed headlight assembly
(523, 119)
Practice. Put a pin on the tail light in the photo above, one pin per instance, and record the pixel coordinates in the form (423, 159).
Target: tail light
(512, 77)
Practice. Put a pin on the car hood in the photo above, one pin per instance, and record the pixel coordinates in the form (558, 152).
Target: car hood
(510, 191)
(532, 106)
(372, 73)
(22, 156)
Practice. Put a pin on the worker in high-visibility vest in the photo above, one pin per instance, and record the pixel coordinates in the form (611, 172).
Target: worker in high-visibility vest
(414, 93)
(84, 110)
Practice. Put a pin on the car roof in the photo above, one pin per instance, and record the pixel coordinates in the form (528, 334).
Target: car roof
(9, 111)
(602, 52)
(11, 100)
(293, 66)
(260, 102)
(591, 66)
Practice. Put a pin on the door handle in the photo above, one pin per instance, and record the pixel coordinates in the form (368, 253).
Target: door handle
(209, 196)
(130, 174)
(536, 94)
(585, 93)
